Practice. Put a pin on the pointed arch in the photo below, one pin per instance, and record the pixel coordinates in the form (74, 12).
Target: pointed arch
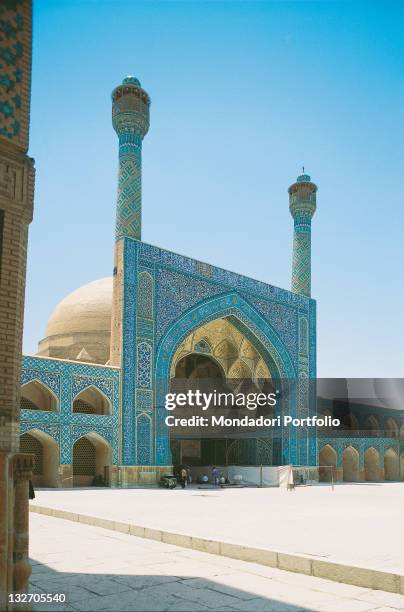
(36, 395)
(91, 400)
(372, 464)
(391, 429)
(46, 452)
(327, 459)
(350, 464)
(246, 319)
(372, 424)
(350, 422)
(92, 457)
(244, 316)
(391, 465)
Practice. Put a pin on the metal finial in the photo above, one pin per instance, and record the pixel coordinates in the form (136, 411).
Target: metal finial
(302, 169)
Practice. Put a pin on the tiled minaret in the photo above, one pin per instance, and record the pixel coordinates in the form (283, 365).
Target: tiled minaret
(302, 206)
(130, 119)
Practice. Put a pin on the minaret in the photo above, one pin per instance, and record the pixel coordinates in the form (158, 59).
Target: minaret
(302, 206)
(130, 119)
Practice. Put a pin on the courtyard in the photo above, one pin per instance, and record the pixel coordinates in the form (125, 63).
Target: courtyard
(355, 524)
(97, 569)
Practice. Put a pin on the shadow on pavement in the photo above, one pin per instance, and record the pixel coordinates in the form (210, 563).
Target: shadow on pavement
(142, 592)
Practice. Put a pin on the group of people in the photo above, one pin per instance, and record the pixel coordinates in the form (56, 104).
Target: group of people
(184, 476)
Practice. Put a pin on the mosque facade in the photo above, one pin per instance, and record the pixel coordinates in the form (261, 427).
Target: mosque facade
(92, 399)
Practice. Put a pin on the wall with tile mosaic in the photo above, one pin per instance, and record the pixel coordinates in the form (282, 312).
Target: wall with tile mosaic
(66, 379)
(168, 295)
(15, 71)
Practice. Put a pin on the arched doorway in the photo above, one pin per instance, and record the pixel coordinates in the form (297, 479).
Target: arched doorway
(216, 357)
(91, 401)
(327, 460)
(46, 453)
(37, 396)
(193, 371)
(234, 309)
(402, 465)
(391, 465)
(91, 460)
(350, 464)
(372, 465)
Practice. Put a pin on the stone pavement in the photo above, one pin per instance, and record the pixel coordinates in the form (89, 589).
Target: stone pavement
(104, 570)
(357, 524)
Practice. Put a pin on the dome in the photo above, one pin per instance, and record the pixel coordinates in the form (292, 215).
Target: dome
(82, 320)
(303, 178)
(88, 308)
(131, 80)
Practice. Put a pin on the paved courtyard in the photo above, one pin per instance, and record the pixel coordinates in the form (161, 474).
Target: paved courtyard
(99, 569)
(357, 524)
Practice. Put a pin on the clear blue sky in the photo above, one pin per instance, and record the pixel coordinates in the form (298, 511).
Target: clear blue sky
(243, 94)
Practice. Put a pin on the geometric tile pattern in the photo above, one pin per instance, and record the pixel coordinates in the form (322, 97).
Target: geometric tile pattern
(49, 379)
(145, 296)
(189, 294)
(130, 119)
(105, 385)
(66, 379)
(144, 364)
(144, 441)
(302, 206)
(301, 276)
(15, 74)
(128, 219)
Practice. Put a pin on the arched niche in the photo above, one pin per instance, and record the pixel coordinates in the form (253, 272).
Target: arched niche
(372, 465)
(391, 465)
(91, 401)
(350, 464)
(35, 395)
(327, 459)
(350, 422)
(372, 425)
(92, 457)
(46, 452)
(391, 428)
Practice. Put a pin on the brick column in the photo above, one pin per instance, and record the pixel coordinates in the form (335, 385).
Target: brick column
(16, 204)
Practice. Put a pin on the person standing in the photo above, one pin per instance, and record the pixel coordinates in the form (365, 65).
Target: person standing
(183, 477)
(215, 476)
(31, 491)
